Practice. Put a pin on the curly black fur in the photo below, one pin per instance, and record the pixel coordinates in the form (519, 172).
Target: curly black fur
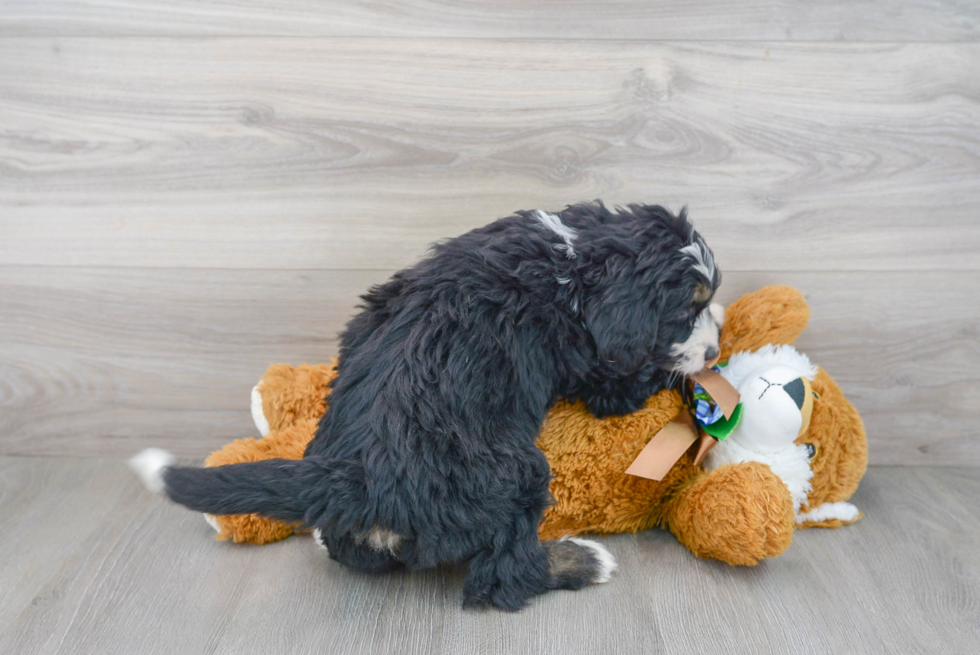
(445, 378)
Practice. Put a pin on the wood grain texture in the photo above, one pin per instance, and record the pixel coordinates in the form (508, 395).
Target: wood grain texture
(902, 580)
(93, 563)
(358, 152)
(836, 20)
(108, 361)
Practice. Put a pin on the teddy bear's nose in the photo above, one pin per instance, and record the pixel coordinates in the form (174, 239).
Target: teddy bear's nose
(710, 353)
(796, 391)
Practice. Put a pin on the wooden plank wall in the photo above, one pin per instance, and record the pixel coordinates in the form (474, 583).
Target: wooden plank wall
(190, 191)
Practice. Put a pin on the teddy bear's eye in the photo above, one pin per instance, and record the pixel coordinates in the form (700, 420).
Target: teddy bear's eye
(811, 450)
(816, 395)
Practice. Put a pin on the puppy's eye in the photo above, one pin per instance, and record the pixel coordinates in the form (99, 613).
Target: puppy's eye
(816, 395)
(811, 450)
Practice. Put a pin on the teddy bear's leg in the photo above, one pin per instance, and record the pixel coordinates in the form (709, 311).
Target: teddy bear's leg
(285, 444)
(739, 514)
(287, 394)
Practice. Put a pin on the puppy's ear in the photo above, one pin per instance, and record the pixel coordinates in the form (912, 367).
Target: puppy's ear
(624, 325)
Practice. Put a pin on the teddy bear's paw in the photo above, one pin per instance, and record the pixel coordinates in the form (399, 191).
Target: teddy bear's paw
(249, 528)
(739, 514)
(258, 413)
(829, 515)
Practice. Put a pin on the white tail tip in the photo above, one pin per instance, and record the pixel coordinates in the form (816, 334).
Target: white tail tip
(149, 465)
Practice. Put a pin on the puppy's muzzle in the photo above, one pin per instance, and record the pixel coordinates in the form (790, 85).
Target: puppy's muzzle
(701, 346)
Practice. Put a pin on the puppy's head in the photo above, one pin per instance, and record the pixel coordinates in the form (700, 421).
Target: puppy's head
(649, 279)
(692, 322)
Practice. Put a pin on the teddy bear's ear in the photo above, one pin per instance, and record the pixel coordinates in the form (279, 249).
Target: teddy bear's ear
(772, 315)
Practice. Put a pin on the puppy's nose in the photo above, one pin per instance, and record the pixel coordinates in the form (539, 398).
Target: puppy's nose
(710, 353)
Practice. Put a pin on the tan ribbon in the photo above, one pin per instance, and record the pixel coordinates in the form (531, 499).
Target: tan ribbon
(666, 447)
(673, 440)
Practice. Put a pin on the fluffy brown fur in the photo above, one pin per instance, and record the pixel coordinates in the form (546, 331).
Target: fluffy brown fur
(738, 513)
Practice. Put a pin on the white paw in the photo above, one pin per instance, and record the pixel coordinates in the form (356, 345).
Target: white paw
(258, 415)
(607, 563)
(317, 540)
(843, 512)
(212, 521)
(149, 465)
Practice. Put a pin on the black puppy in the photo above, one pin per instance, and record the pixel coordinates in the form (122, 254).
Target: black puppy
(427, 452)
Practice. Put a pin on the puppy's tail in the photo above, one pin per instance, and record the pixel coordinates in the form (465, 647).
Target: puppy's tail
(283, 489)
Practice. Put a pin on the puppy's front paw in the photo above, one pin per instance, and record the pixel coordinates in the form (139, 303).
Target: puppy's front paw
(603, 406)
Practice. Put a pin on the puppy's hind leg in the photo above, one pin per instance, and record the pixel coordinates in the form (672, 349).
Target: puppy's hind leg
(507, 577)
(574, 563)
(360, 552)
(511, 569)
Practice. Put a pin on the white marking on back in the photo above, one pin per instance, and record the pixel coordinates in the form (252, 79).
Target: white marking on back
(553, 223)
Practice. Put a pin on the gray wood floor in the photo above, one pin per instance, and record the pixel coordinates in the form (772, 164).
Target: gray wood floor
(93, 563)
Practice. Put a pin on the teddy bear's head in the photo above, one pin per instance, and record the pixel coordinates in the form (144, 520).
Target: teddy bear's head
(795, 419)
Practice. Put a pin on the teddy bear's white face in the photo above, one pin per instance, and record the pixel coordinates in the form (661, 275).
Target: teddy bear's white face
(776, 397)
(773, 399)
(770, 383)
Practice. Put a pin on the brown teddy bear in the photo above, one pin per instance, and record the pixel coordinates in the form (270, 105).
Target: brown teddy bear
(791, 462)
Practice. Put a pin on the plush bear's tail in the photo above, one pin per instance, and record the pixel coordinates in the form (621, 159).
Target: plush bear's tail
(283, 489)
